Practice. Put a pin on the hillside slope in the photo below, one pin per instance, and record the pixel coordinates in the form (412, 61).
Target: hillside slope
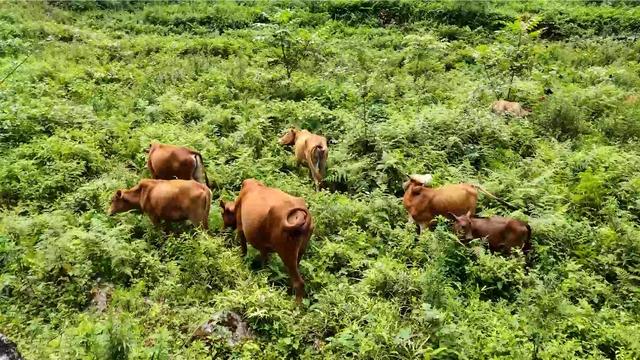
(398, 87)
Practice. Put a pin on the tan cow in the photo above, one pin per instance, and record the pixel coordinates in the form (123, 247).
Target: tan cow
(631, 99)
(169, 162)
(502, 233)
(504, 107)
(425, 203)
(168, 200)
(309, 149)
(271, 221)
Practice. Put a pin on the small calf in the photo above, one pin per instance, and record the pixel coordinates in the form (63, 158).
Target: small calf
(504, 107)
(309, 149)
(502, 233)
(169, 200)
(271, 221)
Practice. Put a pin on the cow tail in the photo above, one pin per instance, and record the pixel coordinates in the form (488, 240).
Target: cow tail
(204, 170)
(512, 207)
(207, 208)
(527, 248)
(150, 150)
(300, 224)
(318, 153)
(527, 245)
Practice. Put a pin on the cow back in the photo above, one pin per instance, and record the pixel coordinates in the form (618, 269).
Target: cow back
(427, 202)
(172, 199)
(169, 162)
(261, 212)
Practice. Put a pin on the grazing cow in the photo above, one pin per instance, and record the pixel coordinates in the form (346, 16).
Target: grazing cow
(169, 162)
(169, 200)
(631, 99)
(271, 221)
(502, 233)
(503, 107)
(425, 203)
(309, 149)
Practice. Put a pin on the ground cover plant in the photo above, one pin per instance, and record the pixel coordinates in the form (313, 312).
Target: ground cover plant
(397, 87)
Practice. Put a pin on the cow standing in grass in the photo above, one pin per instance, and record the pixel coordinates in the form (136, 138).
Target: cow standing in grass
(271, 221)
(502, 234)
(167, 162)
(166, 200)
(424, 203)
(504, 107)
(309, 149)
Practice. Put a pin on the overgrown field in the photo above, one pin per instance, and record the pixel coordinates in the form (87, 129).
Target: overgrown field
(398, 87)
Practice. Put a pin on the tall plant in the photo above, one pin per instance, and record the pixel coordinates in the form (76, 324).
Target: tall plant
(292, 48)
(513, 56)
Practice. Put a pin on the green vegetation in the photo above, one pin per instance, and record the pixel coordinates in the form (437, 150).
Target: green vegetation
(399, 87)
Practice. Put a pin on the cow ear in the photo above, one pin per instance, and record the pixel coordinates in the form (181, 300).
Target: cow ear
(452, 216)
(469, 214)
(289, 138)
(119, 194)
(221, 204)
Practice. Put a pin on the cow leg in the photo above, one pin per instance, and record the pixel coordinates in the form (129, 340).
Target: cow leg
(303, 248)
(199, 221)
(418, 228)
(243, 243)
(264, 257)
(157, 223)
(317, 178)
(290, 260)
(154, 220)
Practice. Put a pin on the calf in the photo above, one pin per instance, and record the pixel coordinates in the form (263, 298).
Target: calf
(502, 233)
(503, 107)
(169, 162)
(169, 200)
(309, 149)
(425, 203)
(271, 221)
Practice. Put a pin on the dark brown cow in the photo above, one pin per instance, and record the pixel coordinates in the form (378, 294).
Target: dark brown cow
(168, 162)
(271, 221)
(502, 233)
(425, 203)
(169, 200)
(309, 149)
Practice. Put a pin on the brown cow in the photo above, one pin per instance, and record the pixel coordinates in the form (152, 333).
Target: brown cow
(168, 162)
(631, 99)
(271, 221)
(309, 149)
(503, 107)
(425, 203)
(502, 233)
(169, 200)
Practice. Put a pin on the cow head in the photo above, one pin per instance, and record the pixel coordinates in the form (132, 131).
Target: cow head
(415, 179)
(289, 138)
(462, 225)
(228, 214)
(122, 201)
(250, 182)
